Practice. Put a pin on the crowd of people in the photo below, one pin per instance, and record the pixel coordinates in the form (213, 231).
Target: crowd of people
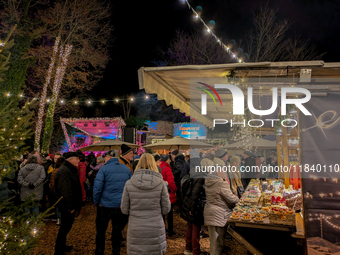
(141, 193)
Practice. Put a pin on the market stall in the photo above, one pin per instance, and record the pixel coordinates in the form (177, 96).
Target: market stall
(186, 88)
(267, 205)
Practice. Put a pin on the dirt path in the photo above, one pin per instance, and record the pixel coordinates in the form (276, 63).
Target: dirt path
(83, 234)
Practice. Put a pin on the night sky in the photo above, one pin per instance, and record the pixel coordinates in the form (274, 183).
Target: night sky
(140, 27)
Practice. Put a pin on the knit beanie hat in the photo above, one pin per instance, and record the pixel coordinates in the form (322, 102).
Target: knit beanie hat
(125, 149)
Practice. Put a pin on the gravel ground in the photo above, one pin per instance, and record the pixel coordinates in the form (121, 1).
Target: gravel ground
(83, 233)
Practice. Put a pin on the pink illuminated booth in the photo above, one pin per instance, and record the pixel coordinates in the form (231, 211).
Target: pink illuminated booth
(92, 130)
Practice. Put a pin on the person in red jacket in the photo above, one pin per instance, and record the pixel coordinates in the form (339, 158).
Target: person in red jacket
(168, 177)
(82, 166)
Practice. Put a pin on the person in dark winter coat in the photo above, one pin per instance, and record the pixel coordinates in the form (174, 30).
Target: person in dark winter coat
(94, 169)
(67, 186)
(107, 195)
(179, 163)
(4, 189)
(193, 194)
(195, 160)
(168, 177)
(248, 162)
(145, 199)
(30, 177)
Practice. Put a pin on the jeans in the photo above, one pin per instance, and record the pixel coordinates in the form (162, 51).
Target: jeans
(216, 238)
(118, 221)
(192, 239)
(67, 220)
(34, 209)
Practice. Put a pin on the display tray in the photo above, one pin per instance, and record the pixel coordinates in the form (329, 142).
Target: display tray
(265, 224)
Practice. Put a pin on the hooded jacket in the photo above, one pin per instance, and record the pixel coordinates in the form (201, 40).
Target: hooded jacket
(67, 185)
(146, 199)
(220, 200)
(169, 177)
(109, 184)
(178, 167)
(31, 173)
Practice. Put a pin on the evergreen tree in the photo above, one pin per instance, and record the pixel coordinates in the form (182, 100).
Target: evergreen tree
(18, 230)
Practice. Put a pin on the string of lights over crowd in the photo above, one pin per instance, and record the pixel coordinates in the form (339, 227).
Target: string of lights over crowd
(87, 101)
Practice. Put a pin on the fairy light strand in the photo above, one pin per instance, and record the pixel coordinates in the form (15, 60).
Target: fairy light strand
(209, 30)
(76, 101)
(60, 72)
(44, 94)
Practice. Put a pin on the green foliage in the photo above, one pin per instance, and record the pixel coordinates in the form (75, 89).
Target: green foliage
(14, 78)
(19, 231)
(14, 129)
(4, 57)
(133, 121)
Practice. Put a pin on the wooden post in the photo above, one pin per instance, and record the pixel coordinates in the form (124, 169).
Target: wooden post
(278, 150)
(285, 155)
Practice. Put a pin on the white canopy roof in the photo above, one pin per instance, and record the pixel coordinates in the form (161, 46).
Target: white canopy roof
(172, 83)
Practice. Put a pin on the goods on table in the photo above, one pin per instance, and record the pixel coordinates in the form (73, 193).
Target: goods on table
(294, 199)
(269, 203)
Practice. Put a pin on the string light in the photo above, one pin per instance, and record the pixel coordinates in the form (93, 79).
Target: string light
(227, 49)
(43, 95)
(8, 95)
(64, 101)
(59, 75)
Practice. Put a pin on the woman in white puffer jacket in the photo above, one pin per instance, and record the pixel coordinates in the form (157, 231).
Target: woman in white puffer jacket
(217, 209)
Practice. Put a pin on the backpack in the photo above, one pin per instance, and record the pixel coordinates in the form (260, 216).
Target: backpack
(186, 183)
